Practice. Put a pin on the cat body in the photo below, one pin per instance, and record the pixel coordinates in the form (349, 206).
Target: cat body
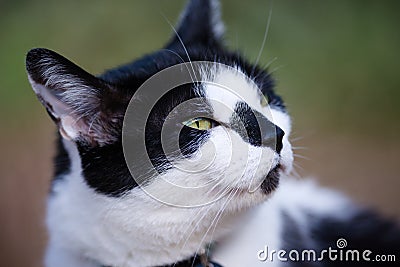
(100, 213)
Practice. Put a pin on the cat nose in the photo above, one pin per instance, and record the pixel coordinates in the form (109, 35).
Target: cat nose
(271, 135)
(276, 137)
(257, 129)
(265, 133)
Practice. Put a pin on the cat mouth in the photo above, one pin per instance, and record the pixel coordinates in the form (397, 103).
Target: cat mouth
(267, 186)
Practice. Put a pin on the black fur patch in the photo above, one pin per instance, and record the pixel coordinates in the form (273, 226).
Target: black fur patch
(197, 25)
(362, 231)
(259, 131)
(271, 182)
(105, 170)
(62, 162)
(191, 262)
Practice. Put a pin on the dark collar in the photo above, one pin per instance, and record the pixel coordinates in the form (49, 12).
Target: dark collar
(195, 261)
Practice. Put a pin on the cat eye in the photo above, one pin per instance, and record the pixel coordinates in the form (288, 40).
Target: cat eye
(202, 124)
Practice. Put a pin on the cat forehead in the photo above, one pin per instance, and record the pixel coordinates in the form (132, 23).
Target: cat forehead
(227, 86)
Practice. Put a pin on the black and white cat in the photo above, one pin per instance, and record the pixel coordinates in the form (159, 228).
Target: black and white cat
(244, 205)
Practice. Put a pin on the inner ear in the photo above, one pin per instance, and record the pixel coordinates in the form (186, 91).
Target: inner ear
(200, 24)
(73, 98)
(59, 111)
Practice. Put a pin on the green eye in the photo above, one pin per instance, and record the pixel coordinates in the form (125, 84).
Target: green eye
(200, 123)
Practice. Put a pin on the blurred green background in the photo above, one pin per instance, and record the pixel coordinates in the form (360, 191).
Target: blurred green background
(336, 64)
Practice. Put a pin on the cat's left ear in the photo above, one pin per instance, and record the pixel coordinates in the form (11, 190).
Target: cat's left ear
(200, 24)
(83, 106)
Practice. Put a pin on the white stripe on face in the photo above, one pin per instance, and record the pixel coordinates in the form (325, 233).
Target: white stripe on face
(227, 86)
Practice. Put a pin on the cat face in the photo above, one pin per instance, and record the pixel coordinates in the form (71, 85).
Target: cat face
(221, 132)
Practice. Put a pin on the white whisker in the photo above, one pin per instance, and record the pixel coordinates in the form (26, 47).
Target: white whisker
(183, 61)
(264, 38)
(183, 45)
(301, 156)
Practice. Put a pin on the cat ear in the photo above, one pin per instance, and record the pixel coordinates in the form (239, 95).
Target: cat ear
(74, 99)
(200, 23)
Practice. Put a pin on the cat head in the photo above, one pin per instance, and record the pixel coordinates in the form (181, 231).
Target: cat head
(190, 124)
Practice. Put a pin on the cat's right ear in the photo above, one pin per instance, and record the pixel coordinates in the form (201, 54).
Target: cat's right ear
(75, 100)
(200, 24)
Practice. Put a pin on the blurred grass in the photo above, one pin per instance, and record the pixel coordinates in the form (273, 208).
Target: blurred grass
(337, 61)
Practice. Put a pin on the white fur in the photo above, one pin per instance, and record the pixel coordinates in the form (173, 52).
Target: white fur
(227, 86)
(259, 226)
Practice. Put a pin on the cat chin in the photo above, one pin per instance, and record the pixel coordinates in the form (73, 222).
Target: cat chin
(244, 199)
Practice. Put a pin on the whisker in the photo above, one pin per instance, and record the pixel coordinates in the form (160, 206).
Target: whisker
(217, 217)
(300, 148)
(266, 66)
(264, 38)
(199, 212)
(183, 45)
(269, 63)
(301, 156)
(303, 135)
(295, 139)
(276, 69)
(295, 172)
(225, 190)
(296, 164)
(215, 225)
(183, 61)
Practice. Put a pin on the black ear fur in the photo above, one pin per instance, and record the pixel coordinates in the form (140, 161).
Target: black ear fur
(73, 97)
(200, 23)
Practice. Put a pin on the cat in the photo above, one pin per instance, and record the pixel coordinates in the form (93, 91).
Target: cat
(195, 175)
